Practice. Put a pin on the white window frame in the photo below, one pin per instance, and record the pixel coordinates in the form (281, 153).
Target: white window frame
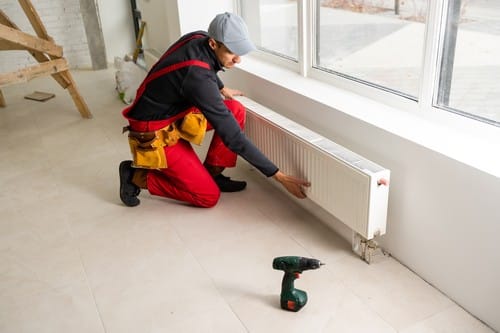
(426, 99)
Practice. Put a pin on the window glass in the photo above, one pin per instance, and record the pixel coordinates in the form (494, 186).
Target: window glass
(470, 66)
(272, 25)
(379, 42)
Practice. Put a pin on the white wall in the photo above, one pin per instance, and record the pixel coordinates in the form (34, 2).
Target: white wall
(167, 20)
(196, 15)
(162, 23)
(117, 27)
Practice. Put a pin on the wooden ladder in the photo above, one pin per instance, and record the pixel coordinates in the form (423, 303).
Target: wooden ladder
(43, 49)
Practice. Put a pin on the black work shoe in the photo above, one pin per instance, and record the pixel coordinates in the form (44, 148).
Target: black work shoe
(128, 191)
(227, 185)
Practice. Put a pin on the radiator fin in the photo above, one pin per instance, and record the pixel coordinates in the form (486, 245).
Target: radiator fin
(342, 182)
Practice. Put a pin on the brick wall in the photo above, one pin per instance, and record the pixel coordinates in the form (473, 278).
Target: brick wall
(63, 21)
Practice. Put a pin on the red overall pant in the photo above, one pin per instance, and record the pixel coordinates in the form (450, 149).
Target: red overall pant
(185, 178)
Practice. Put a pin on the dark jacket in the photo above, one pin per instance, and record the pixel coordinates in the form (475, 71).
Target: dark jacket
(181, 89)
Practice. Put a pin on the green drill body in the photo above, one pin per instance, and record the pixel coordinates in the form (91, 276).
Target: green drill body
(293, 299)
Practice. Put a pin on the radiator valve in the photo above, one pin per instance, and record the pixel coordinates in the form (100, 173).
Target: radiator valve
(367, 249)
(382, 181)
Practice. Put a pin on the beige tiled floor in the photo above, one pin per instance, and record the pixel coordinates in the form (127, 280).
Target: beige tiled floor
(74, 259)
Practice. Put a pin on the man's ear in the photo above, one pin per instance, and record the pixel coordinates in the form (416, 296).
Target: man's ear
(212, 43)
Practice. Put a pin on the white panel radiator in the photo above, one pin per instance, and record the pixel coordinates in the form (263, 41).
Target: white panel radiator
(348, 186)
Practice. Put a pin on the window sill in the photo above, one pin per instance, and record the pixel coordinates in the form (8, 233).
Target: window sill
(469, 141)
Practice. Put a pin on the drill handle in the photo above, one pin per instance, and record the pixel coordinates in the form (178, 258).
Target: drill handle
(288, 281)
(291, 299)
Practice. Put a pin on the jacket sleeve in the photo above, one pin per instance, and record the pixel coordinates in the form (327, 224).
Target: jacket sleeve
(201, 88)
(220, 84)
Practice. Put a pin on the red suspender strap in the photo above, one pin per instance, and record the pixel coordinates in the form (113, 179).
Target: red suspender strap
(174, 47)
(164, 71)
(154, 75)
(175, 67)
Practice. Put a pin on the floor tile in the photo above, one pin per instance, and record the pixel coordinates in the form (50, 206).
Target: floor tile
(66, 309)
(453, 319)
(399, 296)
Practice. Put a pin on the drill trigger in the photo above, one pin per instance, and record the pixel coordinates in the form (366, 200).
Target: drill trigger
(297, 275)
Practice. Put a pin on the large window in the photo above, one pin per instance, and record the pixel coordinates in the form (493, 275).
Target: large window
(442, 54)
(273, 26)
(371, 41)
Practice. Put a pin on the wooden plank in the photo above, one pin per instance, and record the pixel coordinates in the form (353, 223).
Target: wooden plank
(138, 42)
(77, 98)
(29, 42)
(4, 19)
(40, 96)
(64, 78)
(31, 72)
(9, 46)
(2, 99)
(34, 19)
(39, 56)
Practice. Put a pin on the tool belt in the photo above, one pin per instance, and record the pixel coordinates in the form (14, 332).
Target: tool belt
(147, 148)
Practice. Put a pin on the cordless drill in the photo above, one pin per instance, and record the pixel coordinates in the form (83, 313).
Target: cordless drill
(293, 299)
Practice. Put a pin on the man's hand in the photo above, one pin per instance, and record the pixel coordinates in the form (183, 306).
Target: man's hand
(229, 93)
(292, 184)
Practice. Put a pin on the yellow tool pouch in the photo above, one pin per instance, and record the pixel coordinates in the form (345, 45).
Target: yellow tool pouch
(193, 127)
(147, 148)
